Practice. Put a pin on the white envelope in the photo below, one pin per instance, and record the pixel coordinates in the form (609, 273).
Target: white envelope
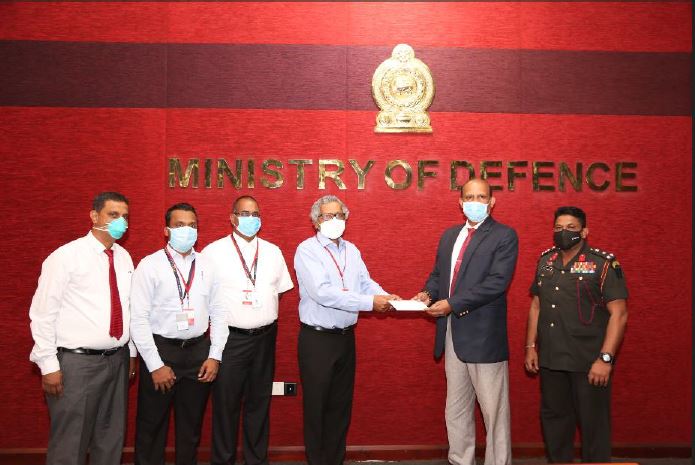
(408, 305)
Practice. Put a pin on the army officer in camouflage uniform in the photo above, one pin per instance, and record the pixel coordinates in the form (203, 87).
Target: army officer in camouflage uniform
(576, 323)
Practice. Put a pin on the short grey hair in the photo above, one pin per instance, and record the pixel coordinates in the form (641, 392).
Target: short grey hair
(316, 207)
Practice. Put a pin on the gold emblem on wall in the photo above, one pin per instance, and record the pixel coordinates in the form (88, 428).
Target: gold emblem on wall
(403, 89)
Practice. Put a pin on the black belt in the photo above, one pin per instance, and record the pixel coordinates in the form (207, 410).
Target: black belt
(179, 342)
(252, 331)
(348, 330)
(83, 351)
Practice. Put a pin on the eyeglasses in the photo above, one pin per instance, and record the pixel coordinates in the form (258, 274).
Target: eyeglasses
(330, 216)
(248, 213)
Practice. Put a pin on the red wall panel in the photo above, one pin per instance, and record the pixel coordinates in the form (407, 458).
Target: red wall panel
(638, 26)
(56, 158)
(77, 152)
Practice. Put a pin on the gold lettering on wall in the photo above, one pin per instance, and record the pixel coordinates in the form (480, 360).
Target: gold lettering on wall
(274, 174)
(574, 179)
(208, 173)
(251, 174)
(422, 172)
(485, 173)
(184, 178)
(590, 176)
(621, 175)
(300, 162)
(512, 175)
(545, 176)
(454, 185)
(361, 172)
(224, 169)
(331, 174)
(388, 174)
(537, 166)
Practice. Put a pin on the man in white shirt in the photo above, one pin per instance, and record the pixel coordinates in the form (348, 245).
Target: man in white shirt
(251, 274)
(171, 304)
(80, 325)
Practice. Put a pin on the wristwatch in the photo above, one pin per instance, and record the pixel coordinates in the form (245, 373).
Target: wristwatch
(606, 357)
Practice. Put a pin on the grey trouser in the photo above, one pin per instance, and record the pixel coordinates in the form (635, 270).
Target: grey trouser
(90, 416)
(489, 384)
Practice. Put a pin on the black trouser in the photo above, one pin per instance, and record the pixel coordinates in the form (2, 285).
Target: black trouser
(567, 399)
(246, 375)
(327, 371)
(189, 397)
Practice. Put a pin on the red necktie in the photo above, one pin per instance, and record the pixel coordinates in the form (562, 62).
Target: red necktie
(471, 231)
(116, 328)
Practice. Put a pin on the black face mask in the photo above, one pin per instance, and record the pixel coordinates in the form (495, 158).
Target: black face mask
(565, 239)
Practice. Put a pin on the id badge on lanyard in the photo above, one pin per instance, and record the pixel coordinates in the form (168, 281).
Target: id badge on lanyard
(185, 319)
(249, 296)
(250, 299)
(341, 273)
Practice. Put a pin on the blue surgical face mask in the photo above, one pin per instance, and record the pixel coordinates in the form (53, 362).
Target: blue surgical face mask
(115, 228)
(118, 227)
(249, 225)
(475, 211)
(182, 239)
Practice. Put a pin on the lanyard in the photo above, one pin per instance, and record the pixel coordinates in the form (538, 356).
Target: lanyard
(335, 262)
(254, 265)
(185, 292)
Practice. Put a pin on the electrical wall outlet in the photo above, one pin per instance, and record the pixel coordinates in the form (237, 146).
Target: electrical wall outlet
(290, 389)
(284, 389)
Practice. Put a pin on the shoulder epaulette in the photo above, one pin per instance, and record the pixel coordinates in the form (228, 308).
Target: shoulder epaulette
(610, 261)
(547, 251)
(603, 254)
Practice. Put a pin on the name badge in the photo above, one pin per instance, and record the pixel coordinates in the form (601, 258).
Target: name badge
(250, 299)
(185, 319)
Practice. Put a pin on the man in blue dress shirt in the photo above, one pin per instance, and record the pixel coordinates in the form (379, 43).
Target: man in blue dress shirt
(334, 286)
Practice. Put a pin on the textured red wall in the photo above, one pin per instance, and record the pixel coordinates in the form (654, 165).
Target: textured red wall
(99, 96)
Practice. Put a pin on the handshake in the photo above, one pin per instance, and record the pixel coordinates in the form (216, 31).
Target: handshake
(382, 303)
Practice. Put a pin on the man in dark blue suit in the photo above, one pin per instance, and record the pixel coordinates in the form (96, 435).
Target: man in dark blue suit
(467, 293)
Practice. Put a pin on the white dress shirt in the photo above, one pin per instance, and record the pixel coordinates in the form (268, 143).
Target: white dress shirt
(155, 304)
(272, 278)
(463, 234)
(72, 304)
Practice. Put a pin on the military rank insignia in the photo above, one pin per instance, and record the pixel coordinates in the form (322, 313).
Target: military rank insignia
(581, 266)
(552, 259)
